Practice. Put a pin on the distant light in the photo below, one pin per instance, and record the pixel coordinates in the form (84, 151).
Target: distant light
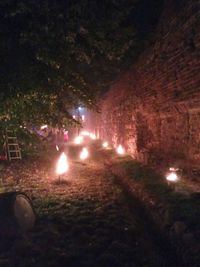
(85, 133)
(74, 117)
(62, 165)
(83, 117)
(79, 108)
(105, 144)
(57, 148)
(173, 169)
(172, 177)
(93, 136)
(78, 140)
(43, 127)
(84, 154)
(120, 150)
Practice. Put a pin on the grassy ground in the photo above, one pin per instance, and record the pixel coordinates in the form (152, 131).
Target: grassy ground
(180, 197)
(82, 221)
(175, 205)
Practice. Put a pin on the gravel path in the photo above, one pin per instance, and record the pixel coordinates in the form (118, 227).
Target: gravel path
(83, 221)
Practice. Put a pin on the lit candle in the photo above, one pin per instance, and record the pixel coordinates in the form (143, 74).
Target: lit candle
(62, 165)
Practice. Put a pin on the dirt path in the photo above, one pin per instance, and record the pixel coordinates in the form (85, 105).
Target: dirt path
(84, 221)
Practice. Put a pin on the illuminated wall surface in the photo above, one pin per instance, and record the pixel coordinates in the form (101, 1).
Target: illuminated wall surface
(154, 108)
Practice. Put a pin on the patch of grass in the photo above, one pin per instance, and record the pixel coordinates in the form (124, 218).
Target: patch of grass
(177, 198)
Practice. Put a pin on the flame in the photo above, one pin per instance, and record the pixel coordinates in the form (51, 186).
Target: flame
(62, 164)
(120, 150)
(105, 144)
(78, 140)
(84, 154)
(172, 177)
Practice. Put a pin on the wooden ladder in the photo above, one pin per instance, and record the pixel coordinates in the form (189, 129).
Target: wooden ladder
(12, 146)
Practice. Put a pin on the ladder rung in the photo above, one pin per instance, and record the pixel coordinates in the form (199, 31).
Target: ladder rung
(13, 149)
(13, 144)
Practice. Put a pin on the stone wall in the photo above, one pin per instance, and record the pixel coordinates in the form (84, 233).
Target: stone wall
(154, 108)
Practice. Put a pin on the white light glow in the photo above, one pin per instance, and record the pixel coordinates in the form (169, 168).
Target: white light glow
(120, 150)
(84, 154)
(57, 148)
(93, 136)
(85, 133)
(172, 177)
(83, 117)
(173, 169)
(43, 127)
(62, 164)
(78, 140)
(105, 144)
(74, 117)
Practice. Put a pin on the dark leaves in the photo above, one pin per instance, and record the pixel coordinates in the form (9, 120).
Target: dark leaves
(66, 49)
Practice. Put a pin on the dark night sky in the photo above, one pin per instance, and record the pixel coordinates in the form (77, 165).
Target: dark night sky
(147, 15)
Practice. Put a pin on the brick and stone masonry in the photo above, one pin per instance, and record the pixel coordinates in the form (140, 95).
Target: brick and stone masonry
(153, 109)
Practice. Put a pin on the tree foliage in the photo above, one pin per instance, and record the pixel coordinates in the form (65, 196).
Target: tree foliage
(57, 54)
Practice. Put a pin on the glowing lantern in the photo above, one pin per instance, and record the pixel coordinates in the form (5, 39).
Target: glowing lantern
(120, 150)
(105, 144)
(78, 140)
(84, 154)
(62, 165)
